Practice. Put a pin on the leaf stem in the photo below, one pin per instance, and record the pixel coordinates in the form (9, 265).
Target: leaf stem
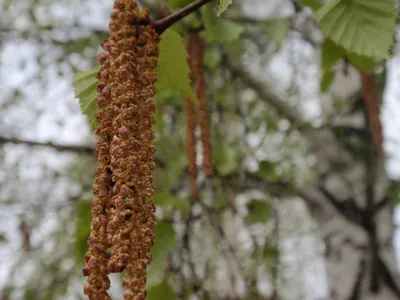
(164, 23)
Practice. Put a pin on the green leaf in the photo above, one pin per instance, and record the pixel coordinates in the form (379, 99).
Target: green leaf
(259, 211)
(211, 57)
(173, 69)
(166, 199)
(219, 30)
(278, 30)
(363, 63)
(161, 291)
(331, 54)
(267, 170)
(173, 154)
(226, 158)
(327, 80)
(365, 27)
(165, 243)
(168, 97)
(223, 5)
(313, 4)
(82, 230)
(270, 252)
(85, 84)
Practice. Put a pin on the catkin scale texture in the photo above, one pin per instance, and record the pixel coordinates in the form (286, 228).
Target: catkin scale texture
(123, 207)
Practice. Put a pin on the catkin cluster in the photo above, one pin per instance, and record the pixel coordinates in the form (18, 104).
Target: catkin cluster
(196, 53)
(123, 209)
(195, 61)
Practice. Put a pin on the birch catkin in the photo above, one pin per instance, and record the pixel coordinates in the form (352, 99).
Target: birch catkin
(123, 209)
(196, 52)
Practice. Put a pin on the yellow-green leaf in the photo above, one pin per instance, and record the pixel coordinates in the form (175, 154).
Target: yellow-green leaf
(327, 80)
(331, 54)
(365, 27)
(173, 70)
(363, 63)
(278, 30)
(223, 5)
(219, 30)
(85, 84)
(165, 242)
(226, 158)
(259, 211)
(167, 199)
(82, 230)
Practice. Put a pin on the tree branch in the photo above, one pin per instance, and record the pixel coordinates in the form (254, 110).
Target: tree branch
(58, 147)
(62, 148)
(161, 25)
(262, 90)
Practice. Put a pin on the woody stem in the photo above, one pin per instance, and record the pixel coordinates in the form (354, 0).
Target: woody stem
(164, 23)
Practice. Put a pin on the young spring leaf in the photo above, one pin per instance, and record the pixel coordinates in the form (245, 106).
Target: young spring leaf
(85, 84)
(167, 199)
(223, 5)
(165, 242)
(219, 30)
(82, 230)
(363, 63)
(365, 27)
(331, 53)
(172, 69)
(259, 212)
(226, 158)
(326, 80)
(278, 30)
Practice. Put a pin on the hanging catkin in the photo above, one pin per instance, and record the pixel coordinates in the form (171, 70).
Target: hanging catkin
(196, 52)
(372, 99)
(97, 257)
(123, 209)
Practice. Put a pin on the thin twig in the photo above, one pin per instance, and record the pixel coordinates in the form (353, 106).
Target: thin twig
(61, 148)
(58, 147)
(161, 25)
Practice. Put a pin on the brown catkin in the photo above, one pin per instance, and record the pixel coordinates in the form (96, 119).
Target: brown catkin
(190, 115)
(123, 209)
(97, 257)
(196, 52)
(372, 100)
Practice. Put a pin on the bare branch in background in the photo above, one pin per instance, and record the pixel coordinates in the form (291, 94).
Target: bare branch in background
(58, 147)
(263, 91)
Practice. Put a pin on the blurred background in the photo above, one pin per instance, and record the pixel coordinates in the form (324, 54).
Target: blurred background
(249, 238)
